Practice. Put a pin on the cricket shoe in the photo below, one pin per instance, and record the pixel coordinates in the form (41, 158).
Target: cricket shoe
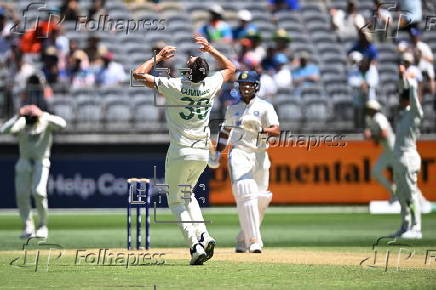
(198, 255)
(404, 228)
(208, 244)
(240, 246)
(412, 235)
(255, 248)
(42, 232)
(27, 233)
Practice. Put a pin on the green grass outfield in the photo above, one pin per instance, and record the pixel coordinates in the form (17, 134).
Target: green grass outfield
(317, 233)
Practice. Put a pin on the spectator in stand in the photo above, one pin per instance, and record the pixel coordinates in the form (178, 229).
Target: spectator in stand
(244, 26)
(5, 45)
(97, 9)
(217, 30)
(412, 71)
(80, 74)
(305, 74)
(268, 87)
(365, 46)
(32, 41)
(277, 5)
(252, 51)
(92, 50)
(382, 21)
(7, 20)
(282, 78)
(424, 57)
(74, 46)
(111, 73)
(363, 79)
(70, 10)
(50, 67)
(62, 42)
(411, 11)
(346, 24)
(268, 61)
(282, 40)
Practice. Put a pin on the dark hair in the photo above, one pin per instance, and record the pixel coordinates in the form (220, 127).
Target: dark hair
(199, 69)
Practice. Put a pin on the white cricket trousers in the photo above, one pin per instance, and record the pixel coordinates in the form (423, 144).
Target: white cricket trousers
(31, 178)
(384, 161)
(181, 175)
(406, 169)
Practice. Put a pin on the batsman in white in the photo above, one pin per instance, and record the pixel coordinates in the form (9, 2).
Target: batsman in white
(188, 122)
(34, 128)
(407, 160)
(379, 130)
(248, 160)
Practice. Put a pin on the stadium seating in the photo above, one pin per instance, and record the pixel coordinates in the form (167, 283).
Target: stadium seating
(325, 106)
(89, 112)
(117, 114)
(291, 115)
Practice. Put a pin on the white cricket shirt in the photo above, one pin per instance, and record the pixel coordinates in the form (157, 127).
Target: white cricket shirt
(189, 126)
(407, 127)
(260, 109)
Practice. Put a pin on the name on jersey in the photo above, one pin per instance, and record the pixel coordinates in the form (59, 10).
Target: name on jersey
(193, 92)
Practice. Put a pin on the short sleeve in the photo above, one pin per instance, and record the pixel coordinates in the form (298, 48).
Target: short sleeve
(426, 50)
(216, 81)
(382, 122)
(315, 70)
(167, 86)
(271, 117)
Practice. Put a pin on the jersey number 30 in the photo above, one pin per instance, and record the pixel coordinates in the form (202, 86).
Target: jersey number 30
(197, 110)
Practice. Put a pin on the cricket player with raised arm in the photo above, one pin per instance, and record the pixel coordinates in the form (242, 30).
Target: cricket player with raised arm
(33, 128)
(245, 123)
(188, 153)
(379, 130)
(407, 160)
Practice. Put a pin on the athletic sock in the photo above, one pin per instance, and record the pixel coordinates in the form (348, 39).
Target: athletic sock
(181, 213)
(42, 209)
(196, 215)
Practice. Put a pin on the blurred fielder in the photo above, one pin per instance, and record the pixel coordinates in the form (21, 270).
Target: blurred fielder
(381, 132)
(248, 159)
(407, 160)
(34, 128)
(188, 152)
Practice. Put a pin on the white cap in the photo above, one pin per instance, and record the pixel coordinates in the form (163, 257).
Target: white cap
(217, 9)
(244, 14)
(373, 104)
(408, 57)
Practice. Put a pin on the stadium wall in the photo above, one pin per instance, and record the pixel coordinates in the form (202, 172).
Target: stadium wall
(93, 175)
(327, 174)
(90, 174)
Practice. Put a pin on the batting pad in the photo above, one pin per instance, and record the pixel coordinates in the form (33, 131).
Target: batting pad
(248, 211)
